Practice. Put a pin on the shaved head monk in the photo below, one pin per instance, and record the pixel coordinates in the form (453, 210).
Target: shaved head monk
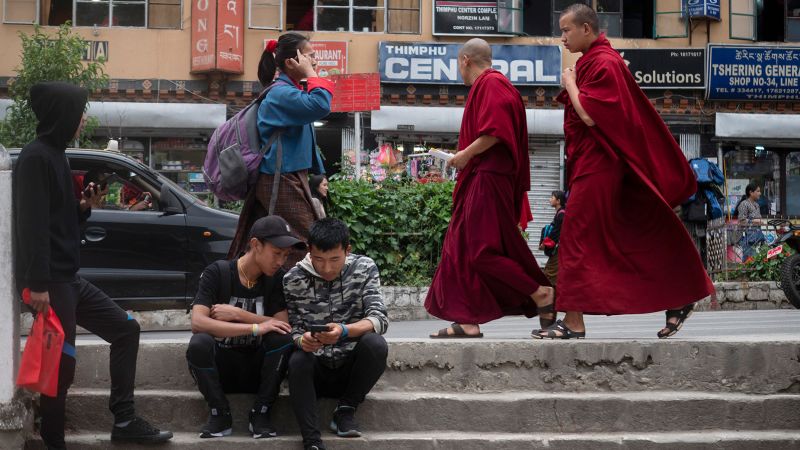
(622, 249)
(487, 271)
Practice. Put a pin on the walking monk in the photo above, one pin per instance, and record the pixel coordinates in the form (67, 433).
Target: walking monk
(623, 250)
(487, 271)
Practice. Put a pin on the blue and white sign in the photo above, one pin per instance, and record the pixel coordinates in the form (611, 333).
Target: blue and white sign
(708, 9)
(402, 62)
(753, 73)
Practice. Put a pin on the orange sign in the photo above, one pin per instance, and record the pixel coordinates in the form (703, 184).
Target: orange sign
(230, 36)
(356, 92)
(204, 23)
(331, 57)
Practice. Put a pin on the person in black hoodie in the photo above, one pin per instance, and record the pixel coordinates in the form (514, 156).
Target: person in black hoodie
(47, 219)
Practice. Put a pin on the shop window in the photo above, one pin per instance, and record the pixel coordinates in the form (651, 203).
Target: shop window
(266, 14)
(793, 184)
(509, 16)
(300, 15)
(403, 16)
(367, 16)
(101, 13)
(618, 18)
(669, 20)
(754, 165)
(765, 20)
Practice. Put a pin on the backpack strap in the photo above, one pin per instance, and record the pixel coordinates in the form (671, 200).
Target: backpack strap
(225, 280)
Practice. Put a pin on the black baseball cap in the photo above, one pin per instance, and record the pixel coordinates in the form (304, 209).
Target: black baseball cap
(276, 231)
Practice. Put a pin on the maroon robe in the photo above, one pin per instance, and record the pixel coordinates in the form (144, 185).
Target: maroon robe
(487, 271)
(623, 249)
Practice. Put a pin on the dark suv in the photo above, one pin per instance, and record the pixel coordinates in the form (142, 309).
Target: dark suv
(145, 254)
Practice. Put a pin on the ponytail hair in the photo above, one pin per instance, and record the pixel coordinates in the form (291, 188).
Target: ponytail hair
(747, 191)
(275, 55)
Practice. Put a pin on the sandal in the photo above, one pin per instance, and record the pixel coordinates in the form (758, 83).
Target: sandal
(681, 315)
(554, 330)
(458, 333)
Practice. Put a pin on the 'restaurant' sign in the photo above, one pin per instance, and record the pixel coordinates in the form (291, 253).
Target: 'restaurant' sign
(677, 68)
(217, 36)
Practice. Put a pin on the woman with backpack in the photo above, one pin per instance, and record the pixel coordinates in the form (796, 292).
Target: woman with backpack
(550, 235)
(297, 98)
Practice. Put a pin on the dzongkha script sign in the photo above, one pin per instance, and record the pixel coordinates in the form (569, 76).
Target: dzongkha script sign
(433, 63)
(217, 36)
(753, 73)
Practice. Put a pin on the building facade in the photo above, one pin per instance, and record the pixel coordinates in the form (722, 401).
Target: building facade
(723, 73)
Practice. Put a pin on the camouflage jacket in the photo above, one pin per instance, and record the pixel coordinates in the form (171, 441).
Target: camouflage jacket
(354, 296)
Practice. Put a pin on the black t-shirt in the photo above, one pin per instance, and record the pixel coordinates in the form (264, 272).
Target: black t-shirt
(265, 299)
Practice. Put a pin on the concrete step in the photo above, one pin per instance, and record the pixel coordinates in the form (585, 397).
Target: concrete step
(445, 440)
(87, 410)
(725, 365)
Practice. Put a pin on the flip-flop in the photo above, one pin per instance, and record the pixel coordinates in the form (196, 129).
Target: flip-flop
(458, 333)
(681, 314)
(558, 327)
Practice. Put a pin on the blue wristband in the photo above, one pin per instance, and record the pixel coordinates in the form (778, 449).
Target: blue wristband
(345, 333)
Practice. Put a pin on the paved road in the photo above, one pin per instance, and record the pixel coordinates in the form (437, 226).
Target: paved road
(768, 325)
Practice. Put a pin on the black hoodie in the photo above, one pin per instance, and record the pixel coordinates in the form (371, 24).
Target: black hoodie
(46, 214)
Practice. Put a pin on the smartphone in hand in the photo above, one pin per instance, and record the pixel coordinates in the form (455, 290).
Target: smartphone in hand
(317, 328)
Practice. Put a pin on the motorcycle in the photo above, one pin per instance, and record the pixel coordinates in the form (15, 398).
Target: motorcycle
(788, 237)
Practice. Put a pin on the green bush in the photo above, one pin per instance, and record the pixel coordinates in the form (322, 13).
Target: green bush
(759, 268)
(400, 225)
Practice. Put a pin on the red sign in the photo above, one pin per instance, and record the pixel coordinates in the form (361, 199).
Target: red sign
(356, 92)
(331, 57)
(773, 252)
(204, 22)
(230, 36)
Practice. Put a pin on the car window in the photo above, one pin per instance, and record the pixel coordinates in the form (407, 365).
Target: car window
(123, 188)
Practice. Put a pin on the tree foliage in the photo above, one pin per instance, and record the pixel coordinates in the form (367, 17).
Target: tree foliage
(48, 57)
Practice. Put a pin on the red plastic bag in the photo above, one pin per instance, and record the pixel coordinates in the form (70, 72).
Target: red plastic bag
(386, 156)
(38, 370)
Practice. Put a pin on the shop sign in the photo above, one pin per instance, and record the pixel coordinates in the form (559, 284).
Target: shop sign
(94, 50)
(702, 9)
(474, 17)
(331, 57)
(204, 42)
(217, 36)
(356, 92)
(230, 36)
(678, 68)
(753, 73)
(432, 63)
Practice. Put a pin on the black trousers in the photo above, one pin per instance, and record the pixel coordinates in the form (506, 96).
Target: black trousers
(309, 379)
(79, 302)
(219, 370)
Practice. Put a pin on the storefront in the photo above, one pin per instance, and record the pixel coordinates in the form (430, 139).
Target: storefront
(759, 148)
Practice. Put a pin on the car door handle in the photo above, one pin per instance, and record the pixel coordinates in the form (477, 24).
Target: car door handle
(95, 234)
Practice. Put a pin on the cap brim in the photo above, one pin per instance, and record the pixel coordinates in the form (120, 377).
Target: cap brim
(286, 242)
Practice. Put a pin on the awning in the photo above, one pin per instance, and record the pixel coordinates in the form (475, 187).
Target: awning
(758, 126)
(152, 119)
(434, 119)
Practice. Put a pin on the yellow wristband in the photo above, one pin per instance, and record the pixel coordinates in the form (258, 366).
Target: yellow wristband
(301, 342)
(255, 329)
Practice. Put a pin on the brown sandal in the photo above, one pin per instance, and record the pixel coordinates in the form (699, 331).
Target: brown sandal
(458, 333)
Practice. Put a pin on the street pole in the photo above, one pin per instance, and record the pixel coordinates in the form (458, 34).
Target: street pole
(357, 144)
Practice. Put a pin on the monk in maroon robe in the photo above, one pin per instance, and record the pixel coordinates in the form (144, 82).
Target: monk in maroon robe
(623, 250)
(487, 271)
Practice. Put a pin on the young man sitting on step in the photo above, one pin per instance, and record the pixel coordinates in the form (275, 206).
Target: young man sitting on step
(242, 339)
(338, 317)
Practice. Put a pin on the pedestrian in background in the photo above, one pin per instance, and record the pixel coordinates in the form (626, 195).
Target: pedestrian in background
(47, 240)
(487, 270)
(550, 236)
(286, 115)
(320, 194)
(622, 248)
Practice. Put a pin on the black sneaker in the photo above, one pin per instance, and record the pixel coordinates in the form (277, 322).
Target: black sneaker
(220, 423)
(344, 422)
(141, 432)
(260, 425)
